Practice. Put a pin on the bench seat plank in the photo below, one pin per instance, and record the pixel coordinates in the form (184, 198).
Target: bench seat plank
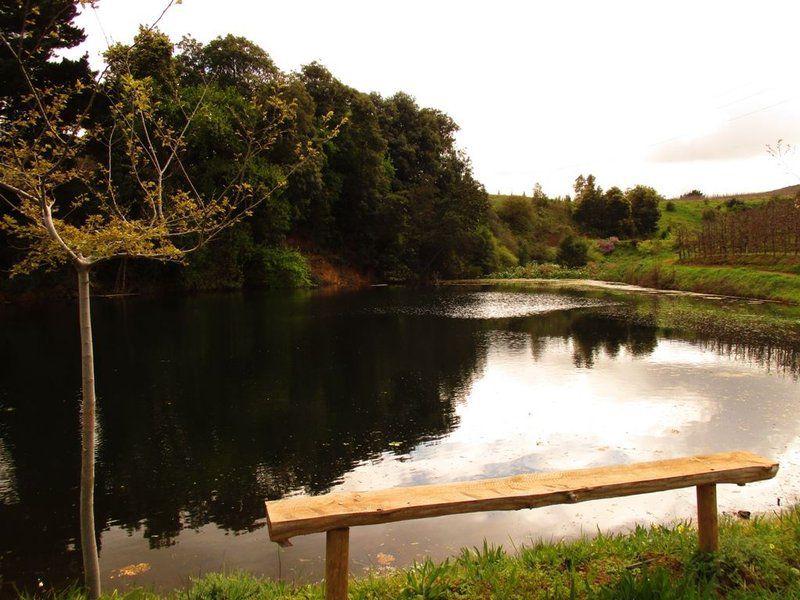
(302, 515)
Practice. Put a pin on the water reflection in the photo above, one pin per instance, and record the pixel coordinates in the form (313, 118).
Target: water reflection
(211, 404)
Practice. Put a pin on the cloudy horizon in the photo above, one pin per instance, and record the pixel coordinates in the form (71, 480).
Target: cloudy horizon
(674, 95)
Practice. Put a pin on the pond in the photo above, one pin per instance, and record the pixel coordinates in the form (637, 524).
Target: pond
(211, 404)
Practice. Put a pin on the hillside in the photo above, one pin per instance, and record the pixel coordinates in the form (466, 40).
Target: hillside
(689, 210)
(654, 262)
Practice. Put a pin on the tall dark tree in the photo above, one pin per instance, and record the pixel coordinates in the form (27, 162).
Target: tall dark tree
(36, 32)
(348, 207)
(644, 209)
(230, 61)
(447, 208)
(589, 204)
(615, 220)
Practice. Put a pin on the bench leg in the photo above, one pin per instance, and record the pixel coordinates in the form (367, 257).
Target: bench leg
(707, 520)
(337, 553)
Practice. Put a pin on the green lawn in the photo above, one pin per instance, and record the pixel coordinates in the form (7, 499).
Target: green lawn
(758, 558)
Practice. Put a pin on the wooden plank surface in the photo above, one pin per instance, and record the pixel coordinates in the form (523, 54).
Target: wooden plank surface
(313, 514)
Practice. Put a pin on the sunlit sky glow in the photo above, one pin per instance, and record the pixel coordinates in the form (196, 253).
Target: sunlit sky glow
(677, 95)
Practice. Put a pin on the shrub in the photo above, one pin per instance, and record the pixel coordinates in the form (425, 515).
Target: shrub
(545, 271)
(573, 252)
(709, 214)
(427, 581)
(651, 246)
(734, 204)
(505, 258)
(607, 246)
(644, 209)
(670, 206)
(278, 267)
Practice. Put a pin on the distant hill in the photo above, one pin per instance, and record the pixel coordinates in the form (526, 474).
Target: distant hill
(790, 191)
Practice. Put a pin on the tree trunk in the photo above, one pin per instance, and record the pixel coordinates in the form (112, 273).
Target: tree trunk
(91, 562)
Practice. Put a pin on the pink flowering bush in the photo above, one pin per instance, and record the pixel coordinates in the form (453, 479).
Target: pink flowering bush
(608, 246)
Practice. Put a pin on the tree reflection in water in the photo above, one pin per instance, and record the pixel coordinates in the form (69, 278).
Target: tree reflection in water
(209, 405)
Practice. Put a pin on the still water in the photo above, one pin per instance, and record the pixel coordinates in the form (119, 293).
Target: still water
(210, 405)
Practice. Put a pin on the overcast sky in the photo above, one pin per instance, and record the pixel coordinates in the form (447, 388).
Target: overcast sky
(673, 94)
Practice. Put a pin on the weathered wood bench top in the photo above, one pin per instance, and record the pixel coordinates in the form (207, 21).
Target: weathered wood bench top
(303, 515)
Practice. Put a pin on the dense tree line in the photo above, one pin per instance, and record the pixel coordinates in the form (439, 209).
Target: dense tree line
(632, 213)
(390, 195)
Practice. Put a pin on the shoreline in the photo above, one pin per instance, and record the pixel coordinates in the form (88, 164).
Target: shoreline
(601, 284)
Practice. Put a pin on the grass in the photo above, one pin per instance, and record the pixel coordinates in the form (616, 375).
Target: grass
(689, 211)
(758, 558)
(545, 271)
(663, 271)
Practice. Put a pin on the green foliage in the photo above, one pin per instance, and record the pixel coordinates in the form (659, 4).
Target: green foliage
(669, 206)
(427, 581)
(444, 208)
(236, 586)
(589, 205)
(652, 247)
(616, 214)
(50, 30)
(229, 61)
(656, 584)
(644, 202)
(150, 57)
(546, 270)
(219, 266)
(238, 261)
(390, 195)
(278, 267)
(529, 228)
(757, 559)
(573, 252)
(505, 258)
(653, 263)
(734, 204)
(481, 563)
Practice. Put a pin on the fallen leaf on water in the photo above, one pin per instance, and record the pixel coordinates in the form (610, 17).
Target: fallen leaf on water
(130, 570)
(384, 559)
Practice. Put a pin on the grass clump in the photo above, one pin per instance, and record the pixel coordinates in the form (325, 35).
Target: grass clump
(759, 558)
(544, 271)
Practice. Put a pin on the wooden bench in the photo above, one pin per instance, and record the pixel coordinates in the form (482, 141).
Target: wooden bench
(336, 513)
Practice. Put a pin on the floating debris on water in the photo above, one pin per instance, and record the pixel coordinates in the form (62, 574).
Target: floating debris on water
(130, 570)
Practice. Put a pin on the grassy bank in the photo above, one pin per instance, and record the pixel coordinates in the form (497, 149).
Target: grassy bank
(663, 271)
(758, 558)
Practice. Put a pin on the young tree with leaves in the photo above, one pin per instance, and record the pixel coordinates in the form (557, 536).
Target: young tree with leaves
(83, 191)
